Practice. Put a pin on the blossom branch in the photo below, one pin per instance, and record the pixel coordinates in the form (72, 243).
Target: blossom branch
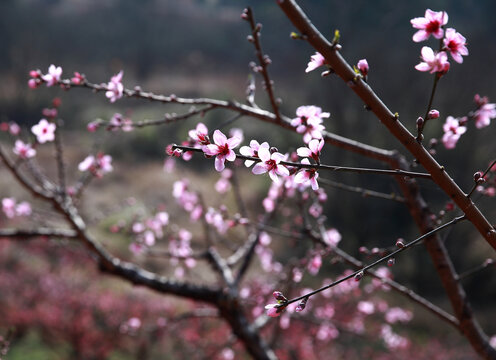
(395, 172)
(443, 315)
(332, 56)
(362, 270)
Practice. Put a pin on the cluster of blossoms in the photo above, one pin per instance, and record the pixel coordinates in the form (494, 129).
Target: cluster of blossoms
(52, 77)
(115, 88)
(453, 42)
(147, 231)
(454, 128)
(11, 208)
(98, 165)
(309, 122)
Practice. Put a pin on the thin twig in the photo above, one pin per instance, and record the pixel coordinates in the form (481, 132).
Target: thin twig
(375, 263)
(395, 172)
(262, 61)
(362, 191)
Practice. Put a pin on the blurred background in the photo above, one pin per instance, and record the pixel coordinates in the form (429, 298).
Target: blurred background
(196, 48)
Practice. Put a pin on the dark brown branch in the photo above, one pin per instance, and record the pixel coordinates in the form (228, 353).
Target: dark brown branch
(45, 232)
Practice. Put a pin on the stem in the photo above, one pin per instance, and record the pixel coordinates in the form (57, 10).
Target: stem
(375, 263)
(324, 167)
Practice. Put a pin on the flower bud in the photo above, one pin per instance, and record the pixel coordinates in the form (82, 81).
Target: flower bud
(359, 276)
(477, 175)
(400, 243)
(279, 296)
(391, 262)
(363, 66)
(301, 305)
(420, 123)
(433, 114)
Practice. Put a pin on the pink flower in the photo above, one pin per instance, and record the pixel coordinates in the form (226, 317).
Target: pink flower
(397, 314)
(484, 114)
(200, 134)
(77, 79)
(115, 89)
(309, 175)
(14, 129)
(433, 62)
(316, 61)
(99, 166)
(270, 163)
(223, 184)
(23, 209)
(8, 207)
(366, 307)
(273, 310)
(363, 66)
(44, 131)
(33, 83)
(452, 132)
(53, 76)
(252, 150)
(455, 43)
(315, 264)
(313, 150)
(332, 237)
(24, 151)
(117, 121)
(309, 122)
(430, 24)
(222, 149)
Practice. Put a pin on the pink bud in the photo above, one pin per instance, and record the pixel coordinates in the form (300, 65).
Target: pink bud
(400, 243)
(391, 262)
(33, 83)
(433, 114)
(359, 276)
(363, 66)
(301, 305)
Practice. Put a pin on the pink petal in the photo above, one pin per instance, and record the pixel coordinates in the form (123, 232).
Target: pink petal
(301, 177)
(278, 157)
(264, 154)
(246, 151)
(282, 170)
(234, 142)
(274, 177)
(423, 67)
(304, 152)
(211, 149)
(219, 137)
(314, 183)
(420, 35)
(231, 156)
(259, 168)
(219, 163)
